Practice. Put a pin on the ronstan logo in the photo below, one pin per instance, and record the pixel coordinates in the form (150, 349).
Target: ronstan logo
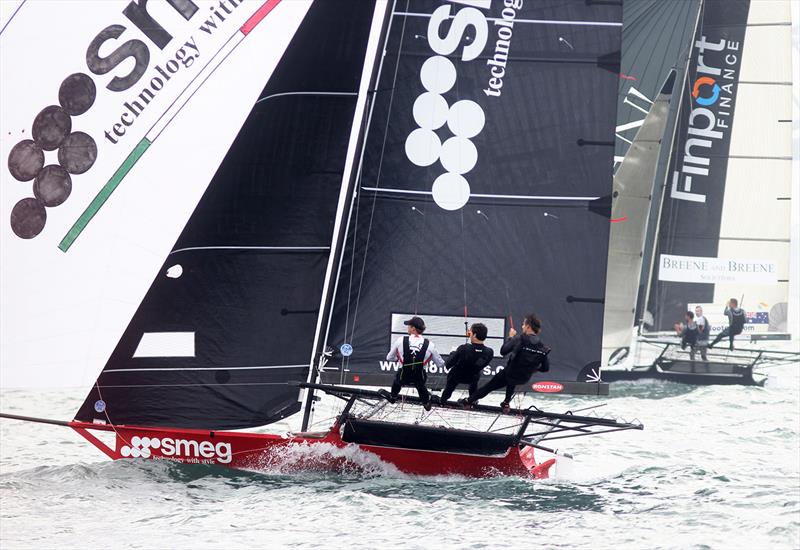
(547, 387)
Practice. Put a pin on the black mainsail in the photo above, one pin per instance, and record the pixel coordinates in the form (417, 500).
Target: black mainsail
(484, 188)
(230, 317)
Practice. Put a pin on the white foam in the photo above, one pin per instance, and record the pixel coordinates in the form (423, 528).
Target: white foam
(324, 457)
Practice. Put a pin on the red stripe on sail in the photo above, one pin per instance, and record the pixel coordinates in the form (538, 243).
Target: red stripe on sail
(260, 14)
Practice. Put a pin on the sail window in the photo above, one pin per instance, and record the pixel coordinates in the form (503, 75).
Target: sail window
(175, 271)
(166, 344)
(449, 332)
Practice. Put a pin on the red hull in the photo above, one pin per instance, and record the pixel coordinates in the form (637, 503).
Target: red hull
(301, 452)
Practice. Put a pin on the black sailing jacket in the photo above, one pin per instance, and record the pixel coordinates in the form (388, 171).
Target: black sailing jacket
(527, 354)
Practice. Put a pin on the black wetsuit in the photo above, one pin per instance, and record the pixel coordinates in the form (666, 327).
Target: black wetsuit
(412, 373)
(736, 320)
(527, 354)
(465, 366)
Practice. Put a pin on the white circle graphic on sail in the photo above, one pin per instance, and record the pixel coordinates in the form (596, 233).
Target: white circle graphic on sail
(423, 147)
(450, 191)
(430, 111)
(438, 74)
(459, 155)
(466, 118)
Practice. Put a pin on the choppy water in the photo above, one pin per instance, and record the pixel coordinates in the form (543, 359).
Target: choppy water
(716, 467)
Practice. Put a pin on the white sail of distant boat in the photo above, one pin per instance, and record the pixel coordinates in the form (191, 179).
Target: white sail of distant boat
(633, 189)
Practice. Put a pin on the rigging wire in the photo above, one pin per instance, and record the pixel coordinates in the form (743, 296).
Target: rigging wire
(380, 167)
(419, 267)
(500, 274)
(464, 269)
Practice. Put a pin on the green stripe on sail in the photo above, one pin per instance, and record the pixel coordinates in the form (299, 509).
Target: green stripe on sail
(103, 195)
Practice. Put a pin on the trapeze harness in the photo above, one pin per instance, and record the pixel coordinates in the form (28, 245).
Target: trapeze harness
(413, 369)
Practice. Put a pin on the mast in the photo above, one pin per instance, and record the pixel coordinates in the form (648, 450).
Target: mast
(368, 76)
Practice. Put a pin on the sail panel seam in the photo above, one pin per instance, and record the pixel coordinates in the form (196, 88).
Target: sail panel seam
(530, 21)
(314, 94)
(169, 369)
(482, 195)
(284, 248)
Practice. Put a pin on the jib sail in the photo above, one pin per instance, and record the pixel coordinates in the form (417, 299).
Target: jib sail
(633, 190)
(230, 317)
(484, 188)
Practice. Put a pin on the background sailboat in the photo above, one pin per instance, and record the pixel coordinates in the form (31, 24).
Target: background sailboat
(737, 159)
(694, 226)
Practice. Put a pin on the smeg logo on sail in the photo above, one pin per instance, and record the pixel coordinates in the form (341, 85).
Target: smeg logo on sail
(465, 118)
(126, 55)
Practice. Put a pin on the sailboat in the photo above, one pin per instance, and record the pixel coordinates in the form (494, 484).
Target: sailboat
(448, 159)
(688, 187)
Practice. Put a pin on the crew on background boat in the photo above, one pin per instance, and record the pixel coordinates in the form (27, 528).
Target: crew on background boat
(413, 352)
(703, 331)
(736, 320)
(690, 333)
(467, 361)
(526, 355)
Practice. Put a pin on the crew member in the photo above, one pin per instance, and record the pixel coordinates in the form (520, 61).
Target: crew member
(689, 334)
(703, 331)
(467, 361)
(736, 320)
(413, 352)
(526, 355)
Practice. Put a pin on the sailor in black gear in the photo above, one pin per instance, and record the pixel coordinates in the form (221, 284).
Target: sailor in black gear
(414, 352)
(526, 355)
(467, 361)
(736, 320)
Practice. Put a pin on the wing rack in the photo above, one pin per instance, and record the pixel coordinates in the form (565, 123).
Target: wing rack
(535, 425)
